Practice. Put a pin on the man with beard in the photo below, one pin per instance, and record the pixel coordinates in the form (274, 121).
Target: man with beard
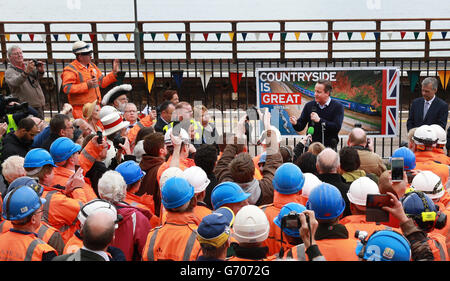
(19, 142)
(117, 97)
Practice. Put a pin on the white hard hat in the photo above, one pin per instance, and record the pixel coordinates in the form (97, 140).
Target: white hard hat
(311, 181)
(251, 225)
(357, 193)
(169, 173)
(425, 135)
(197, 178)
(81, 47)
(94, 206)
(105, 110)
(116, 92)
(183, 134)
(440, 133)
(429, 183)
(263, 138)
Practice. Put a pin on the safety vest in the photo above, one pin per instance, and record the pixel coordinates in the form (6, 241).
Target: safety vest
(441, 170)
(198, 130)
(438, 246)
(258, 174)
(44, 232)
(88, 156)
(176, 240)
(18, 246)
(269, 258)
(144, 122)
(60, 177)
(73, 245)
(61, 211)
(144, 202)
(201, 211)
(440, 156)
(12, 126)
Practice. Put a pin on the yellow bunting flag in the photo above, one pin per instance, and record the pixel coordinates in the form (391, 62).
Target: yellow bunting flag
(128, 36)
(166, 35)
(363, 35)
(2, 76)
(430, 34)
(297, 35)
(68, 36)
(149, 77)
(7, 36)
(444, 76)
(231, 34)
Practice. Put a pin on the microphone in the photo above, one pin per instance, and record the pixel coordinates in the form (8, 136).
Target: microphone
(310, 132)
(313, 109)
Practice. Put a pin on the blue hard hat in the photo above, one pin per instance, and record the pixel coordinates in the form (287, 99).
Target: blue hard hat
(409, 158)
(421, 208)
(288, 179)
(227, 192)
(385, 245)
(27, 181)
(38, 157)
(21, 202)
(175, 192)
(130, 171)
(326, 201)
(62, 148)
(288, 208)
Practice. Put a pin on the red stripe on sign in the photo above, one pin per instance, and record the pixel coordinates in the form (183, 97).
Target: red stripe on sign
(117, 122)
(281, 98)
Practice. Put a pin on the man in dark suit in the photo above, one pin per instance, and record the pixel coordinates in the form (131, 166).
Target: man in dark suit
(321, 113)
(165, 116)
(429, 109)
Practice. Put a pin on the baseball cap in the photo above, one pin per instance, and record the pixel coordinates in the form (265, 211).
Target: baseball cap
(215, 228)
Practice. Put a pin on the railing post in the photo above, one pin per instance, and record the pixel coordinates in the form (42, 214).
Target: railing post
(427, 40)
(48, 42)
(234, 44)
(378, 42)
(330, 41)
(94, 41)
(282, 42)
(187, 33)
(141, 29)
(3, 42)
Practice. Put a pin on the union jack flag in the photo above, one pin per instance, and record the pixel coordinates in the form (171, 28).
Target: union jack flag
(391, 92)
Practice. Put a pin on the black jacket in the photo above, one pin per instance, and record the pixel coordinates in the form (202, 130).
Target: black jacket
(437, 113)
(12, 145)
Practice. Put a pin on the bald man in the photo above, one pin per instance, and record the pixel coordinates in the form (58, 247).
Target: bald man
(327, 165)
(371, 162)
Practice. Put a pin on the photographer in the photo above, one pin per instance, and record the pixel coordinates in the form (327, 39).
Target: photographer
(23, 79)
(19, 142)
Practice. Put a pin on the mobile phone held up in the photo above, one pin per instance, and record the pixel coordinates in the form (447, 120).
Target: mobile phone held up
(397, 169)
(374, 204)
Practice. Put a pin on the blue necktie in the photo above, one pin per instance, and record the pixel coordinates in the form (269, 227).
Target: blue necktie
(425, 109)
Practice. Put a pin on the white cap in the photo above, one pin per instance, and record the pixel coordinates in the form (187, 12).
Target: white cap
(197, 178)
(311, 181)
(357, 193)
(251, 225)
(169, 173)
(429, 183)
(115, 92)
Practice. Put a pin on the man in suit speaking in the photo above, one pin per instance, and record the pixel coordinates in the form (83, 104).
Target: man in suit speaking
(323, 115)
(428, 109)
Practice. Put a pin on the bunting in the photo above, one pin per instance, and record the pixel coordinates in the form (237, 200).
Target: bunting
(323, 35)
(128, 35)
(177, 75)
(2, 76)
(149, 78)
(92, 36)
(205, 36)
(336, 35)
(444, 77)
(218, 35)
(389, 35)
(80, 36)
(363, 35)
(7, 36)
(31, 35)
(444, 34)
(244, 35)
(235, 80)
(297, 35)
(205, 76)
(116, 36)
(413, 77)
(68, 36)
(310, 34)
(141, 36)
(283, 36)
(257, 35)
(416, 35)
(153, 34)
(104, 36)
(377, 35)
(179, 36)
(349, 34)
(402, 34)
(166, 35)
(430, 34)
(19, 36)
(231, 34)
(270, 35)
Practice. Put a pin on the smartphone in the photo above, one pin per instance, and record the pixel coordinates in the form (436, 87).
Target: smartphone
(252, 113)
(397, 169)
(374, 202)
(100, 137)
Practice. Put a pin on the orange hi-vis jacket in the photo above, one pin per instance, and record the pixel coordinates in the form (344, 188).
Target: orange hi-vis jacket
(440, 156)
(61, 211)
(175, 240)
(45, 232)
(88, 156)
(273, 241)
(268, 258)
(441, 170)
(73, 245)
(201, 211)
(74, 84)
(144, 202)
(444, 200)
(258, 175)
(18, 246)
(144, 122)
(337, 248)
(62, 175)
(437, 245)
(433, 155)
(358, 222)
(445, 231)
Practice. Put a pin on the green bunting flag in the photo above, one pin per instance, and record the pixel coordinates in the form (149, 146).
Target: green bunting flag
(413, 77)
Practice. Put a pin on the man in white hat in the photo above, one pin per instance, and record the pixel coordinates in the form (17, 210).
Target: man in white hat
(81, 79)
(117, 97)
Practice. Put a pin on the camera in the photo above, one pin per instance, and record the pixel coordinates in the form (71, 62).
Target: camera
(36, 62)
(118, 139)
(292, 220)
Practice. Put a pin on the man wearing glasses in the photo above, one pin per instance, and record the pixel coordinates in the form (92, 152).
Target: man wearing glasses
(82, 79)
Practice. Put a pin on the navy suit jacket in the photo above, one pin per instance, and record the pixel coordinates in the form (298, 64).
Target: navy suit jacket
(437, 113)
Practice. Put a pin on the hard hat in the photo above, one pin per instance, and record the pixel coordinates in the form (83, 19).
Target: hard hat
(311, 181)
(62, 148)
(94, 206)
(176, 192)
(251, 225)
(357, 193)
(384, 245)
(21, 202)
(183, 135)
(81, 47)
(38, 157)
(425, 135)
(440, 133)
(419, 207)
(409, 158)
(105, 110)
(326, 201)
(197, 178)
(288, 179)
(227, 192)
(429, 183)
(27, 181)
(116, 92)
(289, 208)
(263, 138)
(170, 173)
(130, 171)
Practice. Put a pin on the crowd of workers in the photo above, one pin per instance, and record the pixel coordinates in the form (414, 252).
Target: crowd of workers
(113, 184)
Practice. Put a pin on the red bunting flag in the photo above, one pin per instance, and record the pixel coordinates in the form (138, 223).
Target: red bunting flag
(235, 80)
(270, 35)
(402, 34)
(92, 36)
(31, 36)
(336, 35)
(205, 35)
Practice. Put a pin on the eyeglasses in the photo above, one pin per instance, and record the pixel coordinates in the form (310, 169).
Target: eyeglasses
(130, 111)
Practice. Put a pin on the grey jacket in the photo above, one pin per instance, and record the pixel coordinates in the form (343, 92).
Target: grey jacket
(25, 87)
